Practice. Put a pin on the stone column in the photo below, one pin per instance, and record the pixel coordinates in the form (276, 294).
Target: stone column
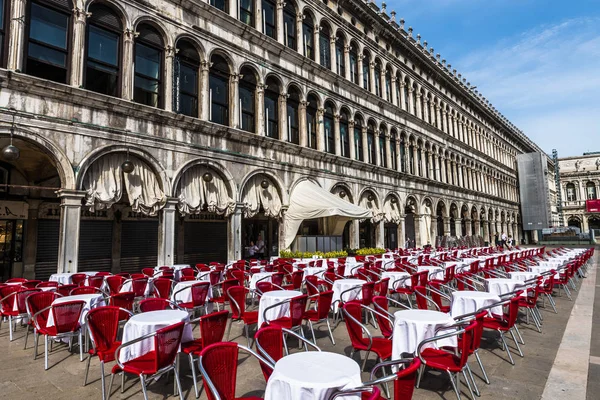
(388, 152)
(302, 126)
(347, 73)
(279, 22)
(372, 76)
(401, 231)
(425, 109)
(486, 231)
(438, 117)
(205, 88)
(117, 225)
(337, 135)
(127, 82)
(459, 175)
(359, 64)
(423, 163)
(394, 90)
(417, 220)
(403, 95)
(317, 44)
(300, 33)
(16, 38)
(382, 85)
(30, 240)
(398, 156)
(234, 235)
(234, 101)
(78, 46)
(365, 145)
(444, 121)
(447, 229)
(455, 127)
(333, 53)
(320, 130)
(411, 106)
(442, 169)
(284, 134)
(378, 160)
(469, 226)
(430, 172)
(352, 154)
(354, 234)
(70, 219)
(415, 161)
(168, 78)
(418, 100)
(458, 227)
(379, 235)
(166, 232)
(260, 109)
(432, 111)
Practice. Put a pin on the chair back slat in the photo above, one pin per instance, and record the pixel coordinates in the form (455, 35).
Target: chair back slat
(103, 323)
(199, 293)
(297, 309)
(220, 363)
(166, 343)
(66, 315)
(212, 327)
(269, 340)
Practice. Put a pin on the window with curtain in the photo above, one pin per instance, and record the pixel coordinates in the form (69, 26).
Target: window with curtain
(371, 145)
(324, 47)
(411, 159)
(102, 65)
(247, 12)
(353, 65)
(358, 140)
(378, 80)
(219, 91)
(268, 18)
(148, 67)
(308, 30)
(344, 135)
(289, 26)
(187, 65)
(47, 52)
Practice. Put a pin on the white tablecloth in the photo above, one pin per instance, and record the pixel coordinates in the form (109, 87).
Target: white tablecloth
(500, 286)
(91, 301)
(274, 297)
(149, 322)
(538, 269)
(344, 284)
(351, 267)
(176, 270)
(522, 276)
(395, 276)
(411, 327)
(186, 295)
(319, 271)
(127, 287)
(259, 277)
(465, 302)
(434, 272)
(64, 278)
(312, 376)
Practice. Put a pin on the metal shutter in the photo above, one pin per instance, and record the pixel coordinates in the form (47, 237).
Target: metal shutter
(105, 16)
(95, 246)
(139, 245)
(205, 242)
(46, 260)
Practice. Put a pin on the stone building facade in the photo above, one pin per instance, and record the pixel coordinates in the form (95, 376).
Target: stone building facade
(580, 186)
(222, 107)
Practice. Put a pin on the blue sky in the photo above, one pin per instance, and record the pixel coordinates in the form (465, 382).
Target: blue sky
(537, 61)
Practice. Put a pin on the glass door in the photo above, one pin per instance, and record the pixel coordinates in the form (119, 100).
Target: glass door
(11, 246)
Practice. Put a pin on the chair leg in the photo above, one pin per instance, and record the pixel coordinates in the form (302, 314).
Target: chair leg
(80, 347)
(468, 383)
(516, 342)
(26, 337)
(312, 330)
(475, 388)
(454, 385)
(519, 334)
(194, 378)
(122, 382)
(10, 328)
(102, 379)
(87, 369)
(482, 368)
(178, 383)
(330, 333)
(36, 338)
(247, 334)
(45, 352)
(228, 329)
(112, 377)
(364, 364)
(507, 349)
(421, 372)
(143, 382)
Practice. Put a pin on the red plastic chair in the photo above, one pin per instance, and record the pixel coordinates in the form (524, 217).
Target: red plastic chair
(66, 324)
(212, 330)
(155, 362)
(383, 316)
(199, 294)
(297, 277)
(312, 285)
(95, 281)
(452, 362)
(529, 303)
(31, 284)
(85, 290)
(44, 285)
(122, 300)
(65, 290)
(16, 280)
(124, 275)
(297, 310)
(78, 279)
(218, 366)
(149, 272)
(381, 287)
(114, 283)
(138, 286)
(15, 297)
(380, 346)
(546, 289)
(155, 304)
(320, 314)
(222, 297)
(506, 323)
(34, 303)
(237, 300)
(188, 272)
(103, 325)
(103, 273)
(162, 287)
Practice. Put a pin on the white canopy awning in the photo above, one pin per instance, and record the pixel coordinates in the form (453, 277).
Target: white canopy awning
(310, 201)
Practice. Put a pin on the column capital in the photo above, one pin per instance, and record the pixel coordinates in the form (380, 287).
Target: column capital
(70, 197)
(170, 51)
(235, 78)
(80, 15)
(280, 5)
(260, 88)
(205, 65)
(129, 35)
(171, 204)
(337, 117)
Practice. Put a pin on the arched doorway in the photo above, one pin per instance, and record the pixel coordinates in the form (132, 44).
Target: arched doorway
(453, 216)
(368, 228)
(409, 221)
(392, 216)
(594, 223)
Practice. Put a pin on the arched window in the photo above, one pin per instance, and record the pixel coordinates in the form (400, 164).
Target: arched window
(377, 82)
(411, 158)
(353, 64)
(289, 25)
(272, 92)
(382, 148)
(268, 18)
(219, 90)
(324, 46)
(187, 65)
(427, 166)
(222, 5)
(423, 101)
(590, 189)
(293, 102)
(428, 104)
(328, 128)
(308, 29)
(366, 74)
(4, 25)
(311, 120)
(406, 94)
(340, 59)
(414, 100)
(393, 154)
(402, 156)
(388, 84)
(48, 36)
(102, 66)
(434, 167)
(358, 139)
(344, 134)
(247, 12)
(148, 67)
(419, 161)
(398, 88)
(248, 100)
(371, 143)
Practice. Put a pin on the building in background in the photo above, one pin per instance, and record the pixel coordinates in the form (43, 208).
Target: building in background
(151, 133)
(580, 185)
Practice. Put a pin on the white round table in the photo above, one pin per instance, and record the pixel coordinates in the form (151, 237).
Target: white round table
(411, 327)
(397, 276)
(91, 301)
(312, 376)
(467, 301)
(314, 271)
(176, 270)
(149, 322)
(434, 272)
(538, 270)
(500, 286)
(274, 297)
(259, 277)
(522, 276)
(185, 296)
(342, 285)
(351, 267)
(64, 278)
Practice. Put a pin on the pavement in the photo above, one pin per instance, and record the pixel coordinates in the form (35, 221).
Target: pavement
(562, 362)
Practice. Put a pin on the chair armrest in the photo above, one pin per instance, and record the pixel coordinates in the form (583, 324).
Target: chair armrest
(279, 304)
(126, 344)
(388, 364)
(294, 334)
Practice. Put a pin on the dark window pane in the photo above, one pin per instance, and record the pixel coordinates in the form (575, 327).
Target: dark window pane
(101, 79)
(146, 91)
(103, 45)
(247, 106)
(46, 71)
(2, 14)
(147, 61)
(289, 26)
(325, 50)
(188, 79)
(307, 31)
(219, 94)
(247, 12)
(47, 55)
(293, 132)
(268, 10)
(188, 105)
(220, 4)
(271, 115)
(48, 26)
